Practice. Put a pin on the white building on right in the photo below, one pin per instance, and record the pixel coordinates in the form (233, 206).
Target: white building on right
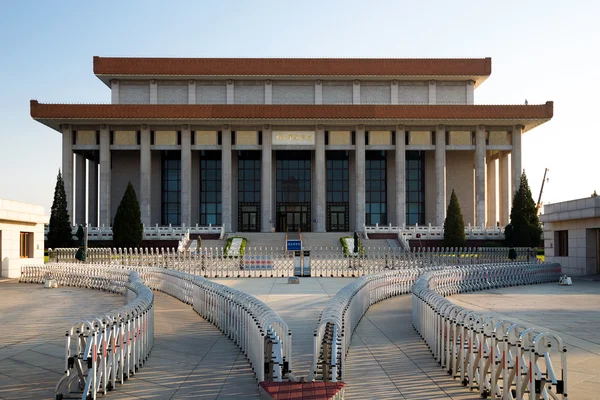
(572, 235)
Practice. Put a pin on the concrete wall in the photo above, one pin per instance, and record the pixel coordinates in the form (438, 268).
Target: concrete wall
(134, 92)
(172, 93)
(125, 169)
(451, 93)
(375, 92)
(211, 92)
(337, 92)
(249, 92)
(459, 176)
(293, 92)
(413, 93)
(17, 217)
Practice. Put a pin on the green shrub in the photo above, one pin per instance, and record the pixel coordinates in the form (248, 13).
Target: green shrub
(454, 224)
(350, 252)
(242, 246)
(128, 230)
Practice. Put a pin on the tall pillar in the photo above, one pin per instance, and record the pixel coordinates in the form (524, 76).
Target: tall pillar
(230, 92)
(394, 92)
(80, 180)
(153, 92)
(145, 176)
(491, 193)
(400, 175)
(226, 178)
(67, 168)
(359, 155)
(432, 92)
(191, 91)
(504, 192)
(440, 175)
(114, 91)
(515, 157)
(186, 175)
(105, 209)
(268, 92)
(356, 92)
(266, 193)
(480, 176)
(320, 179)
(92, 218)
(318, 92)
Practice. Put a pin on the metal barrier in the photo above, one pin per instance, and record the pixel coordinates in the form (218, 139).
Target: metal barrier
(276, 262)
(108, 348)
(261, 334)
(499, 358)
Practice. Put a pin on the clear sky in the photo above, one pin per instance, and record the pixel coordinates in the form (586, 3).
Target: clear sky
(540, 50)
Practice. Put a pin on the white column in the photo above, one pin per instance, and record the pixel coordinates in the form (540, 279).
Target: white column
(153, 92)
(114, 91)
(515, 157)
(432, 92)
(145, 176)
(320, 179)
(359, 155)
(504, 192)
(471, 92)
(266, 162)
(491, 193)
(226, 177)
(356, 94)
(80, 188)
(105, 172)
(400, 175)
(92, 218)
(318, 92)
(480, 176)
(394, 92)
(268, 93)
(186, 175)
(67, 167)
(192, 92)
(230, 89)
(440, 175)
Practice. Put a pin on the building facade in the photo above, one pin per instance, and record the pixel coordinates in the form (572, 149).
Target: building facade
(280, 144)
(21, 236)
(572, 235)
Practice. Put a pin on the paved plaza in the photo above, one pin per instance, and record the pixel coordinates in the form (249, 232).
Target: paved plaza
(191, 359)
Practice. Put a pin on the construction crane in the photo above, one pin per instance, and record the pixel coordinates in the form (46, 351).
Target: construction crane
(539, 202)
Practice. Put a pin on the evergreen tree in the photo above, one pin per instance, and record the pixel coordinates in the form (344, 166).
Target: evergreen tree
(60, 233)
(127, 227)
(594, 194)
(454, 224)
(526, 230)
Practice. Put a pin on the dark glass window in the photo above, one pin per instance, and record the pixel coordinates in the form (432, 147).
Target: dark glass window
(375, 188)
(562, 243)
(249, 177)
(171, 188)
(293, 177)
(415, 187)
(210, 188)
(337, 176)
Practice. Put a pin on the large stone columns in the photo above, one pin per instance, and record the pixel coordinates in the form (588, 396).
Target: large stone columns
(80, 188)
(105, 210)
(67, 167)
(145, 176)
(92, 218)
(516, 159)
(400, 176)
(359, 156)
(226, 177)
(440, 175)
(504, 190)
(320, 179)
(266, 194)
(480, 176)
(186, 175)
(491, 193)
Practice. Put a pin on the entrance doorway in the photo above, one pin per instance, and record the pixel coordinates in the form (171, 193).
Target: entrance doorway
(337, 217)
(294, 216)
(249, 217)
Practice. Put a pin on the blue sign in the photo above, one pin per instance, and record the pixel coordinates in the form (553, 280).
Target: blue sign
(294, 245)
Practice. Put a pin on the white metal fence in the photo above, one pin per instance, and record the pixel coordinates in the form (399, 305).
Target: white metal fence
(112, 341)
(276, 262)
(498, 357)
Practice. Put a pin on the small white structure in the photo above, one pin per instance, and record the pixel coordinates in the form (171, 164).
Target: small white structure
(21, 236)
(572, 235)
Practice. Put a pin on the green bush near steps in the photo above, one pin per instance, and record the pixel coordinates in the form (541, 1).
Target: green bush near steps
(242, 246)
(350, 252)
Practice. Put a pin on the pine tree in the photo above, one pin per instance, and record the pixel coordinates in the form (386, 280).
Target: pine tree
(594, 194)
(526, 230)
(127, 227)
(454, 224)
(60, 233)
